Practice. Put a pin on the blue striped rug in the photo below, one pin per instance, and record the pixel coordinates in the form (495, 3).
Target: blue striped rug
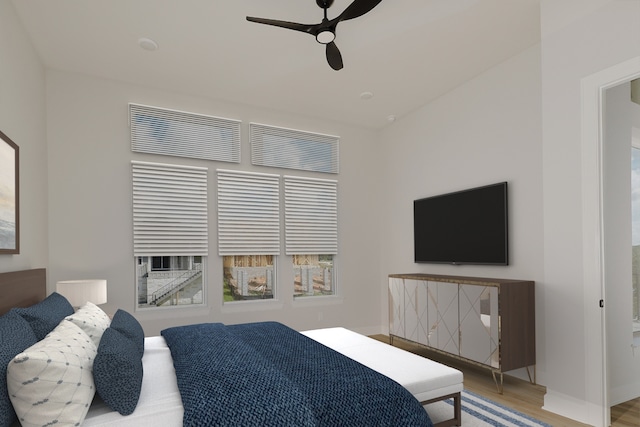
(478, 411)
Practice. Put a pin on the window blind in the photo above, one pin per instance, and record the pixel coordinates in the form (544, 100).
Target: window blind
(170, 214)
(311, 216)
(248, 213)
(177, 133)
(293, 149)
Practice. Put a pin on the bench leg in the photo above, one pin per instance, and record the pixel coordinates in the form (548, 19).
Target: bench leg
(457, 410)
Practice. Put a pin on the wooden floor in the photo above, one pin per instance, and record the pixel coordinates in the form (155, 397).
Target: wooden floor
(626, 414)
(518, 394)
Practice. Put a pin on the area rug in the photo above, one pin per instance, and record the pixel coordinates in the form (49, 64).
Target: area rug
(478, 411)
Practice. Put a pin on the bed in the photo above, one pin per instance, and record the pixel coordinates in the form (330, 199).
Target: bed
(427, 380)
(293, 379)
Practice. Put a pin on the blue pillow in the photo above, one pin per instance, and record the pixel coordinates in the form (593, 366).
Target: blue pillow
(16, 336)
(47, 314)
(117, 372)
(128, 326)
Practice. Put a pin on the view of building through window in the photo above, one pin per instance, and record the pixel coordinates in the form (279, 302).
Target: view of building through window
(313, 275)
(169, 280)
(248, 277)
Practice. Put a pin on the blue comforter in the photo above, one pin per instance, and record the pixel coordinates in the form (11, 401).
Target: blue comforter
(266, 374)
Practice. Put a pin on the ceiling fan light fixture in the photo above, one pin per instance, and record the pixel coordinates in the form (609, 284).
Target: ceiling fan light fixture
(325, 37)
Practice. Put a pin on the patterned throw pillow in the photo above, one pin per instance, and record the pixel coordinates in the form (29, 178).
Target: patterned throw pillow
(91, 319)
(117, 372)
(15, 336)
(51, 383)
(129, 326)
(47, 314)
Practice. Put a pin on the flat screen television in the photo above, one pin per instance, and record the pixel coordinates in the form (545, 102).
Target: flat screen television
(464, 227)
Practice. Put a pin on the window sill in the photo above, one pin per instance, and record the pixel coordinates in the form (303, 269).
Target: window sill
(245, 306)
(191, 309)
(317, 301)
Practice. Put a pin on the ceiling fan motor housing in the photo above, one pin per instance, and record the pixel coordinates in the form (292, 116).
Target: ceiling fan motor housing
(324, 3)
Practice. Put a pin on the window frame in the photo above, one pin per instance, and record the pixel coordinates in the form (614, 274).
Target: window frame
(170, 219)
(286, 148)
(191, 135)
(311, 224)
(635, 300)
(248, 201)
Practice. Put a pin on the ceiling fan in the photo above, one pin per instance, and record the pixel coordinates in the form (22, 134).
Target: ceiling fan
(325, 31)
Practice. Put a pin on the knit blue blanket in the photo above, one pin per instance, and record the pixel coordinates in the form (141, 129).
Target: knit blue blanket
(266, 374)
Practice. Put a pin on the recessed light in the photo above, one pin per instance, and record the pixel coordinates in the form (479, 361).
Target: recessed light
(147, 44)
(366, 95)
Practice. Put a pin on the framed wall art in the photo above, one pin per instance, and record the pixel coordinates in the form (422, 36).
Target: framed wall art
(9, 196)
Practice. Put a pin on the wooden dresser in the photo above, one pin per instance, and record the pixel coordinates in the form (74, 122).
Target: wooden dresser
(488, 322)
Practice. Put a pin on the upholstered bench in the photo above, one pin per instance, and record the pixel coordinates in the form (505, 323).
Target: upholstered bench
(427, 380)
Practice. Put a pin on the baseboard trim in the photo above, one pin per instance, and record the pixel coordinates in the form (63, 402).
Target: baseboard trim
(570, 407)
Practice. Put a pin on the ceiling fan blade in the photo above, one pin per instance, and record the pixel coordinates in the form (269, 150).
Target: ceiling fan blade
(334, 58)
(357, 9)
(283, 24)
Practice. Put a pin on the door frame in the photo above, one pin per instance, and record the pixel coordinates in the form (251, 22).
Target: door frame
(595, 331)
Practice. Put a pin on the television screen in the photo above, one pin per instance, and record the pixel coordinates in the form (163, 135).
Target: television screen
(465, 227)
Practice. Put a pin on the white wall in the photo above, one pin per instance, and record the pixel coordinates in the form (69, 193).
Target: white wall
(485, 131)
(521, 121)
(597, 39)
(90, 206)
(22, 118)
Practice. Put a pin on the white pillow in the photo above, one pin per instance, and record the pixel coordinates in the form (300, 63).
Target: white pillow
(91, 319)
(51, 382)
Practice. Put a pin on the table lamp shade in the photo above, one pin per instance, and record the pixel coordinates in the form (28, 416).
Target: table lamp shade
(78, 292)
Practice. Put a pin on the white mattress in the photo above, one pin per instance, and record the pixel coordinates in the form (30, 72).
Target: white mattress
(160, 403)
(424, 378)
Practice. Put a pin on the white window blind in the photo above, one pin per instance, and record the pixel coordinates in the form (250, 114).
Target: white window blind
(248, 213)
(311, 216)
(170, 214)
(177, 133)
(293, 149)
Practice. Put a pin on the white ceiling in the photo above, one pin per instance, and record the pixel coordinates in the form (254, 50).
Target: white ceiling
(406, 52)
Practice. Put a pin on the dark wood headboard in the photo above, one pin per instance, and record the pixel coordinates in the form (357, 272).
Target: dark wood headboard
(22, 288)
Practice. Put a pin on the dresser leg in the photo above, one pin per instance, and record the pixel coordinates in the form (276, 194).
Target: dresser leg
(532, 380)
(495, 380)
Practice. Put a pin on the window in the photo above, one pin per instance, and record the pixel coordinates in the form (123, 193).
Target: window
(170, 234)
(160, 262)
(170, 216)
(293, 149)
(313, 275)
(169, 280)
(178, 133)
(248, 233)
(311, 233)
(248, 277)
